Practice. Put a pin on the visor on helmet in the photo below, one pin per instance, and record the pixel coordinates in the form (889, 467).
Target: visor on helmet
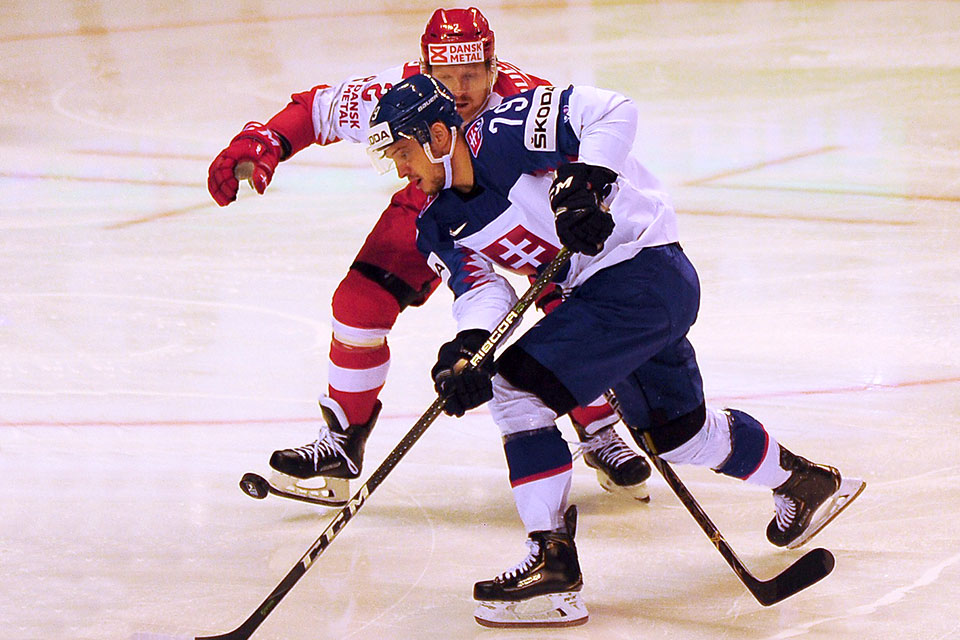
(378, 139)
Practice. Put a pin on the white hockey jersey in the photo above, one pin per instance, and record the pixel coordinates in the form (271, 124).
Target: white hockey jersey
(328, 114)
(506, 219)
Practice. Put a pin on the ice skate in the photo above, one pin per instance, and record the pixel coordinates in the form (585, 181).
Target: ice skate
(619, 468)
(322, 470)
(543, 590)
(813, 496)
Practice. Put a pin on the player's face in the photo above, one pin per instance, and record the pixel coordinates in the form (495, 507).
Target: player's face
(470, 84)
(413, 164)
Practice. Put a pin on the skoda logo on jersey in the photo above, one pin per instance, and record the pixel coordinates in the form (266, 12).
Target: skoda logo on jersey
(540, 129)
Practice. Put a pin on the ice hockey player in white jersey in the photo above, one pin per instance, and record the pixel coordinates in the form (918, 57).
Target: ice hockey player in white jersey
(547, 168)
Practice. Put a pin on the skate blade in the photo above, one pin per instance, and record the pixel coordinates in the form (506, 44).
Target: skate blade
(329, 492)
(637, 491)
(849, 489)
(564, 609)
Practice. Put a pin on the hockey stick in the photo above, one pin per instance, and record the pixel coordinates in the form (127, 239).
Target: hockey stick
(809, 569)
(349, 510)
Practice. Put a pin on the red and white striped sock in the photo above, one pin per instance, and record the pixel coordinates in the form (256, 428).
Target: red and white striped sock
(355, 377)
(594, 416)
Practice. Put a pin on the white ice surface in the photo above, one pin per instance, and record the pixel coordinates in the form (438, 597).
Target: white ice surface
(154, 347)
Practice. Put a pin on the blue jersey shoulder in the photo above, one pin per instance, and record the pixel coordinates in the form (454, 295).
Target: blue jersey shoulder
(527, 133)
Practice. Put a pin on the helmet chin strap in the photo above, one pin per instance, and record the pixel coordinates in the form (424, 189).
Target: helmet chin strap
(445, 159)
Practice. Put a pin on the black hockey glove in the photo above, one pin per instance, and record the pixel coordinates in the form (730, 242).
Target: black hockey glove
(464, 389)
(575, 197)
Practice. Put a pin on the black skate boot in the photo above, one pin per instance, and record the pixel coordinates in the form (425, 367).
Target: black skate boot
(543, 590)
(331, 461)
(813, 496)
(619, 468)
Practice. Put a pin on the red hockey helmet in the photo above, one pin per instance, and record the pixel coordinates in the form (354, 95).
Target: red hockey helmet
(456, 36)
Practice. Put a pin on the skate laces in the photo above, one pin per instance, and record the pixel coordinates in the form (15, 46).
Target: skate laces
(786, 510)
(533, 551)
(607, 446)
(328, 442)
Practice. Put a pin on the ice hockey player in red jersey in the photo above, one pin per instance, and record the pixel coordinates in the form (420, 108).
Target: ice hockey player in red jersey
(389, 274)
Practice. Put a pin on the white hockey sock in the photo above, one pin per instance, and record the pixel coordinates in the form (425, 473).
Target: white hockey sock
(541, 469)
(541, 503)
(770, 473)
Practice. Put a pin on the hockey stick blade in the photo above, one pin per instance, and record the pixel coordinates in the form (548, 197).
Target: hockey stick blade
(809, 569)
(250, 625)
(814, 566)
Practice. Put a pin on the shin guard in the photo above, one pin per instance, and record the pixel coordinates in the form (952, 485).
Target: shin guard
(540, 472)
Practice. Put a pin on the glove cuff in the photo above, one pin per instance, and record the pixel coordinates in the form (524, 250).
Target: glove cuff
(596, 176)
(272, 141)
(579, 186)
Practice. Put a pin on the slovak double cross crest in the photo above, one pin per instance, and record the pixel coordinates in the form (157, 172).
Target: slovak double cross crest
(521, 251)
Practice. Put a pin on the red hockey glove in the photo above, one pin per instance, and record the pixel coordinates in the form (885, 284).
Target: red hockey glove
(256, 145)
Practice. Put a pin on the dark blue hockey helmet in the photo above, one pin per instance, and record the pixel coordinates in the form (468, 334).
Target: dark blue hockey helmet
(406, 111)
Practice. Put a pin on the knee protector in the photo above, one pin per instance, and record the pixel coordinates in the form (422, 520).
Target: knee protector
(672, 434)
(707, 446)
(363, 311)
(516, 411)
(523, 372)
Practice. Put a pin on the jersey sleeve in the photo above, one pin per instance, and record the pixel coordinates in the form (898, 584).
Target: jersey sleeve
(482, 297)
(536, 131)
(326, 114)
(604, 122)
